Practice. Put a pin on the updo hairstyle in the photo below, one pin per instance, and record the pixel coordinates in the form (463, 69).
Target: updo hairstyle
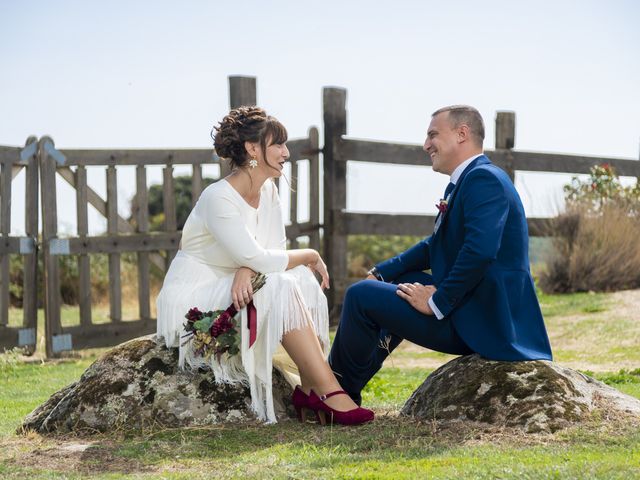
(246, 124)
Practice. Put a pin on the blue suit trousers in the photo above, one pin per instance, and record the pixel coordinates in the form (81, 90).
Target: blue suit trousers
(373, 323)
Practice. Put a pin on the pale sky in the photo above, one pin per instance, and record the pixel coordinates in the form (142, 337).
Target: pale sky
(153, 74)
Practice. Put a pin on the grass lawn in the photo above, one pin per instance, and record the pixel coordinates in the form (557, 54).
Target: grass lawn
(599, 334)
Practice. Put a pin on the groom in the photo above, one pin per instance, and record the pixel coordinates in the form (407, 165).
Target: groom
(479, 296)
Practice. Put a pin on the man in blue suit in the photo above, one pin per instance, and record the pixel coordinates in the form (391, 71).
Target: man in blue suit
(479, 297)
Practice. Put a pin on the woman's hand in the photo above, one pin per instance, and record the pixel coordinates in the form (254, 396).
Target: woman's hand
(241, 291)
(320, 267)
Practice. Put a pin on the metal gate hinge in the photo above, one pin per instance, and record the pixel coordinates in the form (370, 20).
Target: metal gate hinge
(59, 246)
(56, 154)
(60, 343)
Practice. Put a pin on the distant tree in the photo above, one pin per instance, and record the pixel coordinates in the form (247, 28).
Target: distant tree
(182, 188)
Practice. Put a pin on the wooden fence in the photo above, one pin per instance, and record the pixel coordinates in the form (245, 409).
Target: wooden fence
(158, 248)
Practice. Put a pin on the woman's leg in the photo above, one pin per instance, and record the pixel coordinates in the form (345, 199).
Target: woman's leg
(303, 347)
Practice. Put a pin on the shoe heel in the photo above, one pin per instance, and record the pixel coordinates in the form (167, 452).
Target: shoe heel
(322, 417)
(302, 414)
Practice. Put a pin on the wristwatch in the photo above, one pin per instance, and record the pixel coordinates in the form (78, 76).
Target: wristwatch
(375, 273)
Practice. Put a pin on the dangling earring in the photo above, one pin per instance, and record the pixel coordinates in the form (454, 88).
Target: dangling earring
(253, 163)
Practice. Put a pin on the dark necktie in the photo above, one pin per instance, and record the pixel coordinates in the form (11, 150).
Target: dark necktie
(448, 190)
(444, 200)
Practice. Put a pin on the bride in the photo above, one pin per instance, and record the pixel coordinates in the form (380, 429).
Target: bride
(235, 231)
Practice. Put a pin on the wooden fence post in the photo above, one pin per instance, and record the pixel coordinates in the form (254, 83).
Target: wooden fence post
(144, 308)
(5, 231)
(52, 324)
(30, 290)
(242, 91)
(169, 206)
(506, 138)
(84, 260)
(335, 194)
(115, 286)
(314, 188)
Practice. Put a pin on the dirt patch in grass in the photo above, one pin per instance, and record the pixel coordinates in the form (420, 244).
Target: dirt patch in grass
(627, 304)
(78, 455)
(603, 341)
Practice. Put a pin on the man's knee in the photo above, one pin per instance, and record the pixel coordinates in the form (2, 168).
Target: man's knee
(416, 276)
(359, 290)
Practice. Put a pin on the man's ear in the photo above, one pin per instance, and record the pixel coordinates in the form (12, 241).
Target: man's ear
(464, 133)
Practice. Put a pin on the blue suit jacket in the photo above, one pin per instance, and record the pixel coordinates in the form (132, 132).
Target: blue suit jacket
(479, 259)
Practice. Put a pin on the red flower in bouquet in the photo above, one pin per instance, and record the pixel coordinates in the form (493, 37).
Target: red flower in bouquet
(222, 324)
(194, 314)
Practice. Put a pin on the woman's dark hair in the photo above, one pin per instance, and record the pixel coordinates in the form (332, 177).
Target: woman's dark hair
(246, 124)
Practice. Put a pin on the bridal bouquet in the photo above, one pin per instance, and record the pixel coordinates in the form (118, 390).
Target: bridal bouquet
(216, 332)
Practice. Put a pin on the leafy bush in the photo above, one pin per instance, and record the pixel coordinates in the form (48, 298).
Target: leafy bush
(69, 278)
(596, 238)
(364, 251)
(602, 190)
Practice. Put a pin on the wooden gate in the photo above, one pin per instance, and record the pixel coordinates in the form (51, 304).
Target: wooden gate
(13, 160)
(152, 249)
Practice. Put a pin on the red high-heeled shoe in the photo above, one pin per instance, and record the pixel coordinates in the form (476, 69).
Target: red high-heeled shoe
(300, 402)
(355, 416)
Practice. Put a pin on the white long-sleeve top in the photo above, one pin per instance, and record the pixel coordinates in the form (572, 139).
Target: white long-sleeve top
(225, 232)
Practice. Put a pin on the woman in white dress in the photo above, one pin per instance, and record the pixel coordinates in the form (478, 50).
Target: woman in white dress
(234, 231)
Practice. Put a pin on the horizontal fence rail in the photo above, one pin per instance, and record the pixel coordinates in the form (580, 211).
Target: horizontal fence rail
(407, 154)
(138, 157)
(509, 160)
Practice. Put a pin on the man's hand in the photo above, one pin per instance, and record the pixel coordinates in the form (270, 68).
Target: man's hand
(417, 295)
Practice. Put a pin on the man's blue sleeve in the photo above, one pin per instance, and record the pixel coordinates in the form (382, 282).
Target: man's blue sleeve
(414, 259)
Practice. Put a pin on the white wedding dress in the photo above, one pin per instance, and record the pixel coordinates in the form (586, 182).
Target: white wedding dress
(222, 233)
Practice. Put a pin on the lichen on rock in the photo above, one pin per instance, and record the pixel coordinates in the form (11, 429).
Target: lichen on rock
(537, 396)
(138, 384)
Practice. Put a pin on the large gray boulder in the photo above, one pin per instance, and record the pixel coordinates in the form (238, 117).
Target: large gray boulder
(536, 396)
(138, 384)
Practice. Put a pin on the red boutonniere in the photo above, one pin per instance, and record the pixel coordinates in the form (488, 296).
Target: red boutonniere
(442, 206)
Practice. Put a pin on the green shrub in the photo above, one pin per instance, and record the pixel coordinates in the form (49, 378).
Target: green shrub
(69, 278)
(364, 251)
(596, 239)
(602, 190)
